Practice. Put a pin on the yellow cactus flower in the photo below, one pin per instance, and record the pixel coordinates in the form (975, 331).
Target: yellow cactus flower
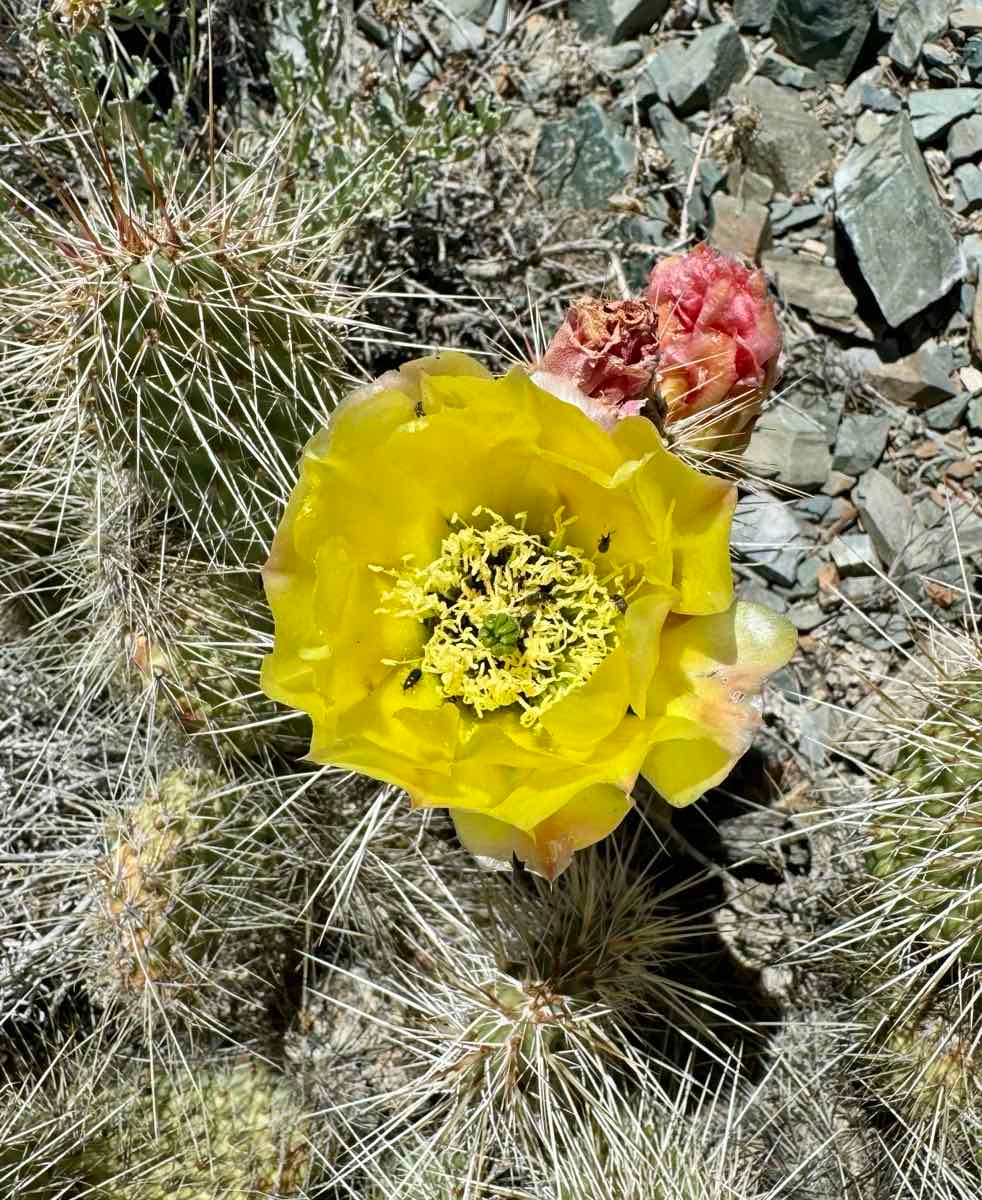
(483, 597)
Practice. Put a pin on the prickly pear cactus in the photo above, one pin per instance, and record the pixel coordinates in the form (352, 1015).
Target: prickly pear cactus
(149, 884)
(247, 1116)
(192, 340)
(209, 361)
(929, 1064)
(927, 834)
(200, 653)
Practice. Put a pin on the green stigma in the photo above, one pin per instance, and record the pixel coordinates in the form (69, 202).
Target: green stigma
(511, 618)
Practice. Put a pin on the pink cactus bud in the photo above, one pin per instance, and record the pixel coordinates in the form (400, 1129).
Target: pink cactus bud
(603, 358)
(719, 343)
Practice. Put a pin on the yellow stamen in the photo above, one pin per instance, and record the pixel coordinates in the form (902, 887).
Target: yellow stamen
(514, 618)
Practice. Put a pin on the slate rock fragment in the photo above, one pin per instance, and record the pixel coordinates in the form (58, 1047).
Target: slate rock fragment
(965, 139)
(918, 21)
(714, 61)
(581, 160)
(968, 188)
(860, 443)
(887, 205)
(768, 535)
(617, 20)
(932, 112)
(918, 381)
(789, 146)
(825, 34)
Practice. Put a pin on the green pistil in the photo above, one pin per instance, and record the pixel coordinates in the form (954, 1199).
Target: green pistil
(500, 633)
(511, 618)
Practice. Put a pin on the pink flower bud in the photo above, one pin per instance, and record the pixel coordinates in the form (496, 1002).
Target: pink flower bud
(603, 358)
(719, 343)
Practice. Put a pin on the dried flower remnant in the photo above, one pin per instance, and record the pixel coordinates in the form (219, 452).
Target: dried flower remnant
(719, 343)
(79, 13)
(603, 358)
(484, 598)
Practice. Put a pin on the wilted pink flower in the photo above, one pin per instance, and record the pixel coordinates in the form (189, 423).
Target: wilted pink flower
(603, 358)
(719, 342)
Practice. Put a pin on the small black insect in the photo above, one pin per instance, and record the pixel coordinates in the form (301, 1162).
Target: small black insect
(418, 410)
(619, 603)
(414, 676)
(604, 544)
(526, 620)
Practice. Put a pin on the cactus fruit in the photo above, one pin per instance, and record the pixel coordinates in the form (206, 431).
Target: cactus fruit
(927, 832)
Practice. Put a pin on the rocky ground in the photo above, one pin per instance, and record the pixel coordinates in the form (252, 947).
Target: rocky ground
(839, 147)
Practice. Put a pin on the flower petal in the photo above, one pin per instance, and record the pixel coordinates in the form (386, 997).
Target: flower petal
(709, 678)
(547, 849)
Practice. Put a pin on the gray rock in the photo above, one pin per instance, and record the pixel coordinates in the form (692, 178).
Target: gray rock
(814, 508)
(838, 484)
(806, 578)
(968, 196)
(977, 323)
(918, 381)
(785, 73)
(887, 516)
(825, 34)
(931, 113)
(852, 99)
(748, 185)
(853, 555)
(613, 59)
(887, 205)
(967, 16)
(755, 592)
(806, 616)
(672, 136)
(754, 14)
(918, 21)
(947, 415)
(617, 20)
(425, 69)
(887, 14)
(494, 13)
(714, 61)
(972, 250)
(768, 535)
(972, 57)
(800, 214)
(868, 128)
(790, 147)
(658, 72)
(817, 725)
(861, 442)
(581, 160)
(490, 13)
(790, 447)
(974, 414)
(939, 61)
(879, 99)
(806, 283)
(965, 139)
(741, 227)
